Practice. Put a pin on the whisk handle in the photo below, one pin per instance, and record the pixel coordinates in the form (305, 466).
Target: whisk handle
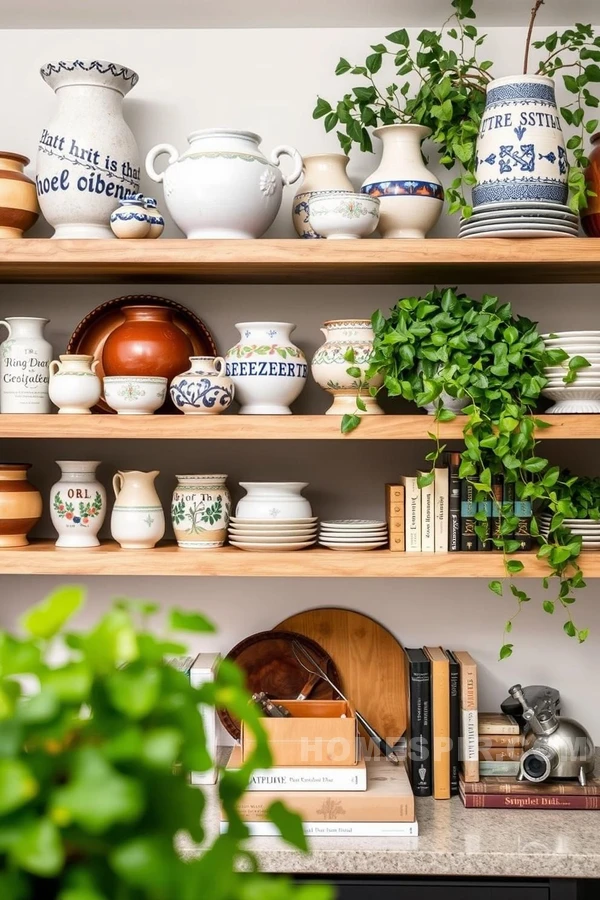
(385, 748)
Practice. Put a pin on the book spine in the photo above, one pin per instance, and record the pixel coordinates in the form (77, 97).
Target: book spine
(420, 727)
(337, 806)
(395, 510)
(441, 498)
(528, 801)
(469, 733)
(501, 769)
(499, 728)
(332, 829)
(500, 741)
(454, 527)
(454, 724)
(286, 779)
(508, 500)
(501, 754)
(412, 514)
(468, 508)
(522, 531)
(440, 697)
(485, 507)
(427, 517)
(548, 788)
(498, 491)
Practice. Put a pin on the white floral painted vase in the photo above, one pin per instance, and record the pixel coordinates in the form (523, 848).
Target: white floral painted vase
(25, 358)
(130, 221)
(200, 511)
(267, 369)
(138, 519)
(204, 389)
(223, 186)
(329, 365)
(521, 151)
(323, 173)
(156, 218)
(77, 505)
(74, 386)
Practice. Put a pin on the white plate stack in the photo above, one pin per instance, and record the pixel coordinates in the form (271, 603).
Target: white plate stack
(583, 394)
(588, 529)
(266, 534)
(520, 219)
(353, 534)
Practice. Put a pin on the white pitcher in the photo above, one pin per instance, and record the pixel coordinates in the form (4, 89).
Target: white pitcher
(24, 366)
(74, 385)
(138, 519)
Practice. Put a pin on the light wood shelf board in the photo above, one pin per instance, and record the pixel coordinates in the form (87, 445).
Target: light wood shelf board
(43, 558)
(302, 262)
(241, 428)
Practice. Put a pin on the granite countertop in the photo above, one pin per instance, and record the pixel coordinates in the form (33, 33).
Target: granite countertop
(452, 841)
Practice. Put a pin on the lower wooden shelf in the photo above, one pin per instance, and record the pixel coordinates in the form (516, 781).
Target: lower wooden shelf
(43, 558)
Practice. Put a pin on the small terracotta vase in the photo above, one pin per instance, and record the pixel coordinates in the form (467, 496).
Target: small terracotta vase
(20, 505)
(590, 216)
(147, 343)
(19, 208)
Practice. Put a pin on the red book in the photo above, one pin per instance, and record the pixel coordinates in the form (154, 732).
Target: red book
(528, 801)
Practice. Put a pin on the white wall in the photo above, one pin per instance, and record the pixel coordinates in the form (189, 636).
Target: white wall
(267, 81)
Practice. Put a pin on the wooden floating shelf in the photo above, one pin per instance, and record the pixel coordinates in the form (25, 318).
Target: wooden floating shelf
(42, 558)
(232, 427)
(295, 261)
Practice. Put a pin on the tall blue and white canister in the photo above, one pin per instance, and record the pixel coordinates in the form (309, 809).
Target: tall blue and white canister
(521, 153)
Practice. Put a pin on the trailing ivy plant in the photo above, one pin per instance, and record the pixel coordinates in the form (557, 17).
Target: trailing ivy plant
(447, 343)
(439, 82)
(95, 756)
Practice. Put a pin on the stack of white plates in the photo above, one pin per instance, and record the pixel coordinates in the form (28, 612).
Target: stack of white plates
(583, 394)
(353, 534)
(519, 219)
(265, 534)
(588, 529)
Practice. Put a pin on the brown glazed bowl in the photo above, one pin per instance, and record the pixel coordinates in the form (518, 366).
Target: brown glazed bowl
(147, 343)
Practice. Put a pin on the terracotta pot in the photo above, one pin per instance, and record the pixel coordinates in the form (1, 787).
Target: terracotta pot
(19, 208)
(20, 505)
(147, 343)
(590, 217)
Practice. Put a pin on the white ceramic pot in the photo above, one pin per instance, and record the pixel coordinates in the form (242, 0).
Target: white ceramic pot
(411, 196)
(204, 389)
(330, 369)
(273, 500)
(343, 216)
(223, 186)
(521, 150)
(325, 172)
(267, 369)
(24, 366)
(454, 404)
(573, 398)
(74, 386)
(156, 218)
(138, 520)
(77, 504)
(200, 511)
(130, 221)
(87, 156)
(135, 395)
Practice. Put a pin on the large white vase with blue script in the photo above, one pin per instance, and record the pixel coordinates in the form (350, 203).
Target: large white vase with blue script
(521, 153)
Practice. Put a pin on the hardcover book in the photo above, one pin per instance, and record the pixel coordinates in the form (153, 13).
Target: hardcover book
(419, 728)
(440, 703)
(508, 500)
(505, 769)
(565, 787)
(528, 801)
(441, 511)
(303, 778)
(427, 517)
(469, 739)
(412, 513)
(468, 508)
(485, 507)
(395, 512)
(522, 531)
(499, 741)
(498, 489)
(501, 754)
(337, 829)
(454, 529)
(498, 723)
(454, 720)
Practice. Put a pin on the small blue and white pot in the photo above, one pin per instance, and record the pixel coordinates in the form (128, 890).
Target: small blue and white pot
(521, 151)
(156, 219)
(130, 220)
(205, 389)
(411, 197)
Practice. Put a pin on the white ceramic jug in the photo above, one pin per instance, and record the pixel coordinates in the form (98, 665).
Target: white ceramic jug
(74, 386)
(223, 186)
(204, 389)
(325, 172)
(138, 519)
(77, 504)
(24, 366)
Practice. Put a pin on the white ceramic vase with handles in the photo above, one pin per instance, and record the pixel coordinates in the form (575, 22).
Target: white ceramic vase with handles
(323, 173)
(223, 186)
(138, 519)
(77, 504)
(24, 366)
(74, 386)
(411, 197)
(87, 157)
(267, 369)
(329, 366)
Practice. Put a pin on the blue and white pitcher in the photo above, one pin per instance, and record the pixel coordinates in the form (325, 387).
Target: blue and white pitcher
(521, 151)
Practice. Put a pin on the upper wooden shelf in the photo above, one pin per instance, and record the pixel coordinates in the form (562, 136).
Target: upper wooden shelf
(232, 427)
(302, 262)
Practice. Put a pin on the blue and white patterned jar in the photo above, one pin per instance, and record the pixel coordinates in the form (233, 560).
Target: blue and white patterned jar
(521, 151)
(204, 389)
(130, 220)
(156, 219)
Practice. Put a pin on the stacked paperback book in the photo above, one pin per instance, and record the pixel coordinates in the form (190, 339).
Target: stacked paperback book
(500, 745)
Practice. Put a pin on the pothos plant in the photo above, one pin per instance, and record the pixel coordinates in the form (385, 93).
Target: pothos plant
(95, 755)
(448, 344)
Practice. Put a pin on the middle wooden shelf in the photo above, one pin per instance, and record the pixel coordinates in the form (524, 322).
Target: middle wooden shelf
(297, 427)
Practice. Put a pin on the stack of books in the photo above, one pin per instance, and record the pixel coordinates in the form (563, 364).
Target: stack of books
(503, 793)
(500, 745)
(369, 799)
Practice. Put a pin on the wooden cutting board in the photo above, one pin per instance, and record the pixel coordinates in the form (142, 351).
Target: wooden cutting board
(370, 659)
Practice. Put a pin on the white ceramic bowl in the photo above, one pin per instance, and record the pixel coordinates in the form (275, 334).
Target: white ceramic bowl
(273, 500)
(135, 395)
(571, 335)
(342, 216)
(572, 399)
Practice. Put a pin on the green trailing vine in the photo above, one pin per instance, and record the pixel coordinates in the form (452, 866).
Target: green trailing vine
(447, 344)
